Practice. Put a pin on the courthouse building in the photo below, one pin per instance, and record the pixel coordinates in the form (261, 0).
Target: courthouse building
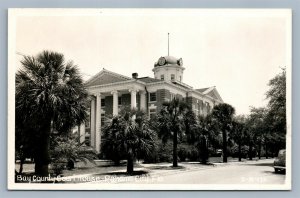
(111, 91)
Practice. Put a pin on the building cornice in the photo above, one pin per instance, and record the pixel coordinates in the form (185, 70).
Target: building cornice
(166, 67)
(168, 83)
(103, 71)
(206, 96)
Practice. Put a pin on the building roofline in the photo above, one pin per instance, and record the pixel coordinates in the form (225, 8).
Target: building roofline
(131, 80)
(213, 88)
(106, 71)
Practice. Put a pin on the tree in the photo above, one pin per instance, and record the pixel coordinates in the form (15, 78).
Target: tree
(171, 122)
(66, 149)
(238, 133)
(203, 129)
(50, 98)
(198, 135)
(24, 137)
(130, 136)
(222, 116)
(256, 128)
(250, 137)
(213, 133)
(276, 112)
(111, 146)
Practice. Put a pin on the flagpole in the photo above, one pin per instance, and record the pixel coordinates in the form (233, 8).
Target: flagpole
(168, 43)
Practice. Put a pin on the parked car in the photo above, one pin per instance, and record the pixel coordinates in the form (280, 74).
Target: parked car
(219, 152)
(279, 162)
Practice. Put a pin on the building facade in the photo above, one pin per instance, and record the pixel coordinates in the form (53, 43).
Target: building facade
(110, 92)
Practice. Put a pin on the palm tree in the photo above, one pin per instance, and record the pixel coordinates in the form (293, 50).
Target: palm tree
(111, 146)
(222, 116)
(50, 96)
(198, 135)
(204, 132)
(68, 149)
(128, 136)
(171, 121)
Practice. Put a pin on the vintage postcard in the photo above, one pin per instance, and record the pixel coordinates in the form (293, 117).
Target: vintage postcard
(149, 99)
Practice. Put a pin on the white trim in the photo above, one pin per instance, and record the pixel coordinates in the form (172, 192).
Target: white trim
(175, 88)
(208, 90)
(152, 106)
(218, 95)
(150, 97)
(124, 85)
(166, 67)
(204, 97)
(214, 90)
(104, 71)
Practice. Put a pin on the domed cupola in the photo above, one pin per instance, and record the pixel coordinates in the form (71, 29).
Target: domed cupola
(168, 60)
(169, 68)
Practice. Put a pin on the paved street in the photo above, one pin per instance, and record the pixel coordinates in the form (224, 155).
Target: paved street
(251, 172)
(233, 172)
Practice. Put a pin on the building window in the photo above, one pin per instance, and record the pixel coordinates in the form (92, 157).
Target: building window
(152, 97)
(102, 119)
(152, 113)
(180, 78)
(162, 77)
(172, 76)
(196, 112)
(102, 102)
(87, 124)
(208, 108)
(87, 141)
(119, 100)
(201, 107)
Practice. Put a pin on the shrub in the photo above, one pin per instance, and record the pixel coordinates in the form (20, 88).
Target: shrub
(183, 152)
(165, 152)
(58, 168)
(65, 150)
(161, 153)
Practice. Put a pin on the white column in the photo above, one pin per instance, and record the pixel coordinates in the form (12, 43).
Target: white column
(143, 100)
(98, 123)
(133, 98)
(93, 128)
(82, 132)
(115, 102)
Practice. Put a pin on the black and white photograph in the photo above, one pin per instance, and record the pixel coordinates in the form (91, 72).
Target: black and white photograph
(149, 99)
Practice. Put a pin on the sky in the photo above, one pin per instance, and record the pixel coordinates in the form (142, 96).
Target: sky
(238, 51)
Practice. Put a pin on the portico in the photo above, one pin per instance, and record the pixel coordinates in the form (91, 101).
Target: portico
(99, 98)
